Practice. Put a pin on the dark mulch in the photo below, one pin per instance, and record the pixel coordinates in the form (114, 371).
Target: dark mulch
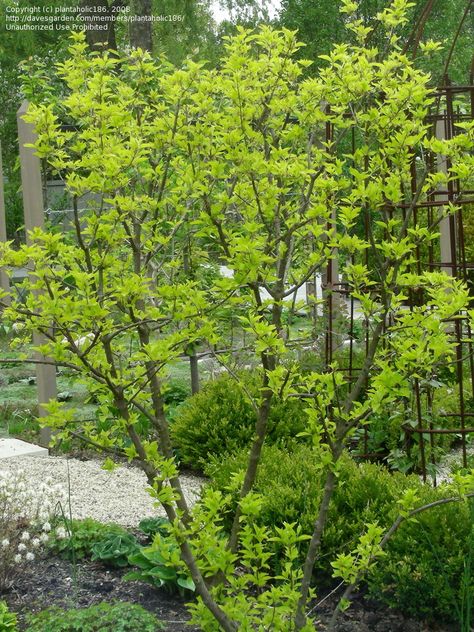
(53, 582)
(365, 615)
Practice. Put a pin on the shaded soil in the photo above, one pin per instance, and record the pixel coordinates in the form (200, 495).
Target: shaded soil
(366, 615)
(53, 582)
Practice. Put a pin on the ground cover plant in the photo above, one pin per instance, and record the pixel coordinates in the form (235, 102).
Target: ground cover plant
(118, 617)
(76, 539)
(236, 162)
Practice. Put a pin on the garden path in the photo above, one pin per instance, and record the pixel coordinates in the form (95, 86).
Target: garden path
(117, 496)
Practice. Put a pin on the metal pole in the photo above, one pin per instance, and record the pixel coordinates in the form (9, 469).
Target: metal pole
(445, 226)
(32, 188)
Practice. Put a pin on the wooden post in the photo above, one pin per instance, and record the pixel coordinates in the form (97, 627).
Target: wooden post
(4, 280)
(32, 188)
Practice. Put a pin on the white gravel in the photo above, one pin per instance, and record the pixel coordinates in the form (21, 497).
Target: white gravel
(453, 458)
(119, 496)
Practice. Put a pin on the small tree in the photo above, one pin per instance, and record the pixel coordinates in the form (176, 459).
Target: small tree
(251, 160)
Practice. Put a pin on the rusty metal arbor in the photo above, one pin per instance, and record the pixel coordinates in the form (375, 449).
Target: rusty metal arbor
(421, 429)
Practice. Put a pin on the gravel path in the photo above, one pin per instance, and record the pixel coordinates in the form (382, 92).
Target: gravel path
(119, 496)
(454, 457)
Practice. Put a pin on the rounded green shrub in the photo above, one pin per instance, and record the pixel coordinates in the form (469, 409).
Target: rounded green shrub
(424, 566)
(427, 563)
(103, 617)
(220, 419)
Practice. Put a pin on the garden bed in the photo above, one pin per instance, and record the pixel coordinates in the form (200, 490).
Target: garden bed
(57, 582)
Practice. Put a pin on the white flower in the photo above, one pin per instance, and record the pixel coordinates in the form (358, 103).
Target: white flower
(44, 537)
(17, 558)
(25, 536)
(35, 543)
(5, 543)
(22, 547)
(61, 533)
(30, 557)
(46, 527)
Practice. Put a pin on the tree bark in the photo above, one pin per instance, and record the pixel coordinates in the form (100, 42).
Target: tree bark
(141, 30)
(97, 36)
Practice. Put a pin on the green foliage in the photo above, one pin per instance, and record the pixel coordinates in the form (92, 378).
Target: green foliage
(422, 569)
(351, 566)
(82, 536)
(161, 566)
(290, 482)
(320, 27)
(103, 617)
(18, 421)
(249, 593)
(221, 419)
(193, 33)
(387, 433)
(16, 46)
(176, 392)
(114, 549)
(152, 526)
(8, 620)
(466, 601)
(176, 161)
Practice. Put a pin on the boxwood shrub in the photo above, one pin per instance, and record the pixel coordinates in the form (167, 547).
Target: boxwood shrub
(423, 570)
(220, 419)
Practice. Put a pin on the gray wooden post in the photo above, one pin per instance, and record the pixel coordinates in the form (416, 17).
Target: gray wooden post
(4, 280)
(32, 188)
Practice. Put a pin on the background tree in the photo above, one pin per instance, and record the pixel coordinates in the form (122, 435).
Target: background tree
(15, 47)
(141, 32)
(96, 35)
(320, 27)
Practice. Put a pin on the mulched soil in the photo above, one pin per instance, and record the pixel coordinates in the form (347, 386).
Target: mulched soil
(53, 581)
(366, 615)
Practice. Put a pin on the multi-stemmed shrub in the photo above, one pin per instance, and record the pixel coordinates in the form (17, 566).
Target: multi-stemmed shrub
(247, 164)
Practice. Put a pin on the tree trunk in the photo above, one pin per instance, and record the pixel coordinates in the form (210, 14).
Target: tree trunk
(100, 33)
(141, 31)
(194, 365)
